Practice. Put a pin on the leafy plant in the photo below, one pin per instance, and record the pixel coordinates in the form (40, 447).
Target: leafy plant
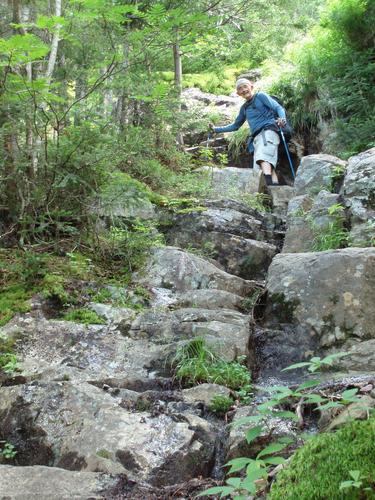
(282, 397)
(220, 404)
(316, 363)
(7, 450)
(356, 481)
(8, 362)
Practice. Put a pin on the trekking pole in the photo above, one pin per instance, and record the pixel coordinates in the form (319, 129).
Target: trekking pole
(287, 153)
(212, 167)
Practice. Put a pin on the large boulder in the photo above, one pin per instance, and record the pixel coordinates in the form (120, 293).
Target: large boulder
(310, 219)
(359, 192)
(316, 172)
(225, 331)
(82, 428)
(181, 271)
(232, 182)
(97, 352)
(327, 295)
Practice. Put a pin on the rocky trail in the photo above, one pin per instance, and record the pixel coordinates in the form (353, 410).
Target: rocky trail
(95, 410)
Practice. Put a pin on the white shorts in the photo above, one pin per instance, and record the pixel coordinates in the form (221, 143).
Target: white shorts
(266, 145)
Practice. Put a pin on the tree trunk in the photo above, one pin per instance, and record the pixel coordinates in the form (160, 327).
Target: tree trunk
(54, 44)
(178, 79)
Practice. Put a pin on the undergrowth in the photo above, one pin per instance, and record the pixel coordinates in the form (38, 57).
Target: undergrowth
(195, 363)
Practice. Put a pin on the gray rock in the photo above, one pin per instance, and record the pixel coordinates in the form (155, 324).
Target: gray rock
(52, 483)
(209, 299)
(204, 393)
(180, 271)
(192, 227)
(326, 294)
(120, 317)
(359, 192)
(355, 411)
(226, 331)
(232, 182)
(240, 256)
(95, 352)
(81, 428)
(280, 196)
(308, 219)
(315, 173)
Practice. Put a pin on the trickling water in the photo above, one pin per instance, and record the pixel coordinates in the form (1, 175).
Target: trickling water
(218, 471)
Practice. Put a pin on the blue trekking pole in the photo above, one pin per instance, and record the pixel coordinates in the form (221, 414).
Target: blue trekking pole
(287, 153)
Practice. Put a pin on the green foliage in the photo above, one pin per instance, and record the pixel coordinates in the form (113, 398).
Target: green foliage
(54, 287)
(330, 237)
(7, 450)
(195, 363)
(85, 316)
(237, 142)
(8, 362)
(220, 404)
(319, 468)
(316, 363)
(130, 244)
(331, 81)
(281, 397)
(257, 201)
(356, 481)
(13, 299)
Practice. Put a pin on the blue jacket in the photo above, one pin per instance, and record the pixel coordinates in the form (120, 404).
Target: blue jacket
(260, 113)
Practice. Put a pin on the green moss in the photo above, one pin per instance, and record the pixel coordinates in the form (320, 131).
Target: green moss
(104, 454)
(13, 299)
(84, 316)
(318, 468)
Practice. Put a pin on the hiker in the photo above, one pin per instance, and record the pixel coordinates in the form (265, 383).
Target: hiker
(260, 111)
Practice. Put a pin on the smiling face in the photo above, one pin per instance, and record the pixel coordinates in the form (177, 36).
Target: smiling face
(246, 90)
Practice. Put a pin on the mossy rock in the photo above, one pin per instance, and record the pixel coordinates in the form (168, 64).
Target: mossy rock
(317, 469)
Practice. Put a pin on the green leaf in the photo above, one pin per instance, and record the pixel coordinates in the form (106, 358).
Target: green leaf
(331, 404)
(272, 448)
(315, 398)
(296, 365)
(355, 474)
(285, 414)
(247, 420)
(234, 481)
(275, 460)
(224, 490)
(253, 433)
(349, 394)
(238, 464)
(346, 484)
(328, 360)
(308, 384)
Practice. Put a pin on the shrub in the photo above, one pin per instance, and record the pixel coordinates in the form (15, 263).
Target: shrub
(318, 468)
(220, 404)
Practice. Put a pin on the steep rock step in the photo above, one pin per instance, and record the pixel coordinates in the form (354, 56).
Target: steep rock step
(82, 428)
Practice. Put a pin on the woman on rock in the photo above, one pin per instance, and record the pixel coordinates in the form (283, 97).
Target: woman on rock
(260, 111)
